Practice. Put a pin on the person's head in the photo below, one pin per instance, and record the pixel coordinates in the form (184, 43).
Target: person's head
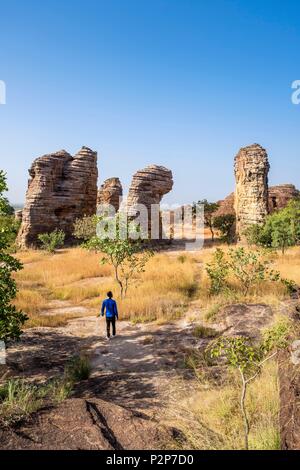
(109, 294)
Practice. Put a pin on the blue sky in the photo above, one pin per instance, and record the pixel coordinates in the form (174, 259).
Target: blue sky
(183, 83)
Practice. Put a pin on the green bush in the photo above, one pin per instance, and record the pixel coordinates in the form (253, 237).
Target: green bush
(248, 268)
(11, 319)
(85, 228)
(218, 272)
(77, 369)
(280, 230)
(225, 223)
(52, 241)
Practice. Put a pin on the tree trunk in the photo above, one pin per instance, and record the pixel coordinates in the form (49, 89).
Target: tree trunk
(243, 410)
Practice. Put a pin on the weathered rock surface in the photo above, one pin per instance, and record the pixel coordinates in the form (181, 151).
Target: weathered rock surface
(245, 319)
(148, 186)
(61, 188)
(280, 195)
(91, 424)
(110, 192)
(251, 194)
(226, 206)
(278, 198)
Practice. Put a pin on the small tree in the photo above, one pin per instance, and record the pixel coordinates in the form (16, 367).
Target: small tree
(280, 230)
(248, 358)
(52, 241)
(127, 257)
(11, 319)
(250, 268)
(224, 223)
(253, 234)
(217, 271)
(209, 210)
(85, 228)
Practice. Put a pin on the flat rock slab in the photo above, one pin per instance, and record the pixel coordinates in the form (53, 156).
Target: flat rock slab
(245, 319)
(79, 424)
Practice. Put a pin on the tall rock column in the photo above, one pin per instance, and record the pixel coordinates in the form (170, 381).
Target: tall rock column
(251, 193)
(148, 186)
(61, 189)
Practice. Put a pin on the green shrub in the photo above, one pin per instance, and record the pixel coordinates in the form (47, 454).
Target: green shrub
(218, 272)
(52, 241)
(11, 319)
(201, 331)
(225, 223)
(85, 228)
(77, 369)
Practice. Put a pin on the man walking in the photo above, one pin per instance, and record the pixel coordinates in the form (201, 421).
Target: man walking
(109, 307)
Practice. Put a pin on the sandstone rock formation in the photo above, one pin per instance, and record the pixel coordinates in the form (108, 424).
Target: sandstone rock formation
(280, 195)
(87, 424)
(148, 186)
(226, 206)
(278, 198)
(110, 192)
(251, 194)
(61, 188)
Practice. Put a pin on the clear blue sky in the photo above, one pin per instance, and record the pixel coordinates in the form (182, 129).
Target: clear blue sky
(183, 83)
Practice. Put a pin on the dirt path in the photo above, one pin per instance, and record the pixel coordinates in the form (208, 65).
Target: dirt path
(133, 369)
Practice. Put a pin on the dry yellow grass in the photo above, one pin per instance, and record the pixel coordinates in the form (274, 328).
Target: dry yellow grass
(162, 293)
(210, 417)
(77, 277)
(62, 268)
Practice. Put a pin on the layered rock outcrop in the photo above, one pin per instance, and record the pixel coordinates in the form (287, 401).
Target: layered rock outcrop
(251, 194)
(61, 189)
(148, 186)
(110, 192)
(280, 195)
(226, 206)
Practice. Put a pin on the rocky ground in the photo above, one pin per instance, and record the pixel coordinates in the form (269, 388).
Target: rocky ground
(120, 405)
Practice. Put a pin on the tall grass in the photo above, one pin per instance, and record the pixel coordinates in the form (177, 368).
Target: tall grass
(164, 292)
(210, 417)
(19, 398)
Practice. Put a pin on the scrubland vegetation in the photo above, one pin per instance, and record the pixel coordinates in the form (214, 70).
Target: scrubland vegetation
(208, 414)
(163, 288)
(18, 398)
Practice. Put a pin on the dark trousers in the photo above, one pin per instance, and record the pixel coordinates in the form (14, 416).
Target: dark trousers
(111, 321)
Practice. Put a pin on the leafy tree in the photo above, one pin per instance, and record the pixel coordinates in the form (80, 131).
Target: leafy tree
(248, 358)
(85, 228)
(280, 230)
(224, 223)
(128, 257)
(209, 210)
(52, 241)
(250, 268)
(254, 234)
(11, 319)
(218, 272)
(9, 225)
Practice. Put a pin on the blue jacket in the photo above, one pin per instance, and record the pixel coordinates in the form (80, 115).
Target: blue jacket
(110, 306)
